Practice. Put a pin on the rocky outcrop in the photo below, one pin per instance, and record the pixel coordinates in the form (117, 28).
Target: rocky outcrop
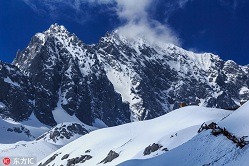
(110, 156)
(64, 131)
(152, 148)
(21, 129)
(49, 160)
(65, 157)
(216, 130)
(16, 97)
(76, 160)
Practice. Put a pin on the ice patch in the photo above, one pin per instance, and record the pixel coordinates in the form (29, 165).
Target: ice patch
(2, 105)
(8, 80)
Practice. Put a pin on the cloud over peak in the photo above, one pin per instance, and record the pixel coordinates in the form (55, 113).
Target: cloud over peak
(135, 20)
(137, 23)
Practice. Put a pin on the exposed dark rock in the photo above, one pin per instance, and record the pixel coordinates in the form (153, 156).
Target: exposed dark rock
(110, 156)
(216, 130)
(64, 131)
(20, 129)
(54, 134)
(88, 151)
(76, 160)
(204, 126)
(16, 93)
(9, 129)
(152, 148)
(49, 160)
(165, 149)
(65, 157)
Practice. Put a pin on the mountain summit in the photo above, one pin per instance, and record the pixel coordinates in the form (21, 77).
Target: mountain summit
(116, 80)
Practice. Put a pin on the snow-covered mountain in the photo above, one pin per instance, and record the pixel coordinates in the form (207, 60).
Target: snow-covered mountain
(59, 89)
(115, 81)
(138, 140)
(212, 146)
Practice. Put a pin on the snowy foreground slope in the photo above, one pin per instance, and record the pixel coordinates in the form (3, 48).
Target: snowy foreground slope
(28, 130)
(31, 138)
(112, 146)
(207, 149)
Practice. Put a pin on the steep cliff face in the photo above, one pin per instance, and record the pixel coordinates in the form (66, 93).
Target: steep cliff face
(67, 73)
(119, 80)
(16, 98)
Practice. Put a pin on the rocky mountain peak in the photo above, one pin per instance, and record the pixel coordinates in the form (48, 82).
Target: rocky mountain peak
(118, 39)
(56, 28)
(119, 80)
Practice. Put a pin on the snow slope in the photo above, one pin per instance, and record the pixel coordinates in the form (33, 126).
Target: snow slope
(46, 143)
(12, 132)
(36, 149)
(18, 138)
(207, 149)
(238, 122)
(130, 140)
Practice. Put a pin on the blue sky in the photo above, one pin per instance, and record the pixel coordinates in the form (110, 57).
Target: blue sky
(217, 26)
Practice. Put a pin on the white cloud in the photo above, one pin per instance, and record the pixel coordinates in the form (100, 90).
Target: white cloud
(139, 24)
(155, 34)
(131, 10)
(132, 13)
